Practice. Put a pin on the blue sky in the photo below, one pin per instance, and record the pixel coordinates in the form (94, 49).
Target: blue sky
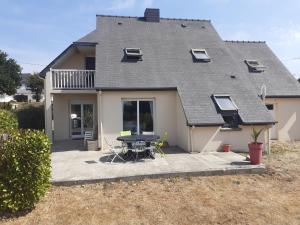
(35, 32)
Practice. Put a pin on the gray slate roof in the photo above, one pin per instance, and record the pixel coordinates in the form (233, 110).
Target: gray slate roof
(90, 37)
(168, 63)
(278, 80)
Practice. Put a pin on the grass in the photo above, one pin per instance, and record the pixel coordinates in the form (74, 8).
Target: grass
(270, 198)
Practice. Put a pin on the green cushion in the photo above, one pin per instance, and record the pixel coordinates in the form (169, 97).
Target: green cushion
(125, 133)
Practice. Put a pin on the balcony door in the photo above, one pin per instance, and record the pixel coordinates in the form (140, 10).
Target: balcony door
(138, 116)
(82, 119)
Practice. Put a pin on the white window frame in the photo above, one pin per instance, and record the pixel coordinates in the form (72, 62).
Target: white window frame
(194, 50)
(259, 67)
(138, 111)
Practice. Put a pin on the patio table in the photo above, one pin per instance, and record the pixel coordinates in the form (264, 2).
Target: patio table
(129, 139)
(135, 138)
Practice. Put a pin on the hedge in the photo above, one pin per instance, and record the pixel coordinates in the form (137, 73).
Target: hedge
(25, 169)
(31, 117)
(7, 121)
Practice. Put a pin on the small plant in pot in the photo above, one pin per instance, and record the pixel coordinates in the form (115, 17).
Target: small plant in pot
(255, 147)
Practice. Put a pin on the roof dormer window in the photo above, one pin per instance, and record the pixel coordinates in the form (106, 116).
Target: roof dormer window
(225, 103)
(255, 66)
(200, 55)
(133, 54)
(228, 110)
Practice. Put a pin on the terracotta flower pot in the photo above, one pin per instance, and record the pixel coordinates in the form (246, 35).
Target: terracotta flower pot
(255, 152)
(226, 148)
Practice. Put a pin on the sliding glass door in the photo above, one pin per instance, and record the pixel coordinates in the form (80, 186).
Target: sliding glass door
(82, 119)
(138, 116)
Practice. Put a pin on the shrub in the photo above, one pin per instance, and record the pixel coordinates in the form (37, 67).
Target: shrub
(7, 120)
(24, 169)
(5, 105)
(31, 117)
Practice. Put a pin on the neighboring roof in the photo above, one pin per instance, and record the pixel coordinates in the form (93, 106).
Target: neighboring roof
(277, 79)
(167, 63)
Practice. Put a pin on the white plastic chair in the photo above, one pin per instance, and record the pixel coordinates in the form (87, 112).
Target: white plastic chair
(150, 148)
(88, 135)
(115, 150)
(148, 133)
(138, 147)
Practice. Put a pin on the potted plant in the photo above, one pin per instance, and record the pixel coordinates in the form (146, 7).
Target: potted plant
(255, 148)
(226, 148)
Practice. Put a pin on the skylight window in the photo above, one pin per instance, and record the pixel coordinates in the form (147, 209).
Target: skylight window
(133, 53)
(228, 109)
(255, 66)
(225, 103)
(200, 55)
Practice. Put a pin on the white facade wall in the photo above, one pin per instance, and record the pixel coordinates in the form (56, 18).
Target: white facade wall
(287, 114)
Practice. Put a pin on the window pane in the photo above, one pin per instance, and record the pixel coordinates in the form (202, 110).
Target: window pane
(201, 55)
(76, 119)
(146, 116)
(231, 121)
(88, 117)
(225, 103)
(90, 63)
(130, 116)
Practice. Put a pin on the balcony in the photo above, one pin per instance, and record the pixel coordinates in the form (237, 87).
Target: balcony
(72, 79)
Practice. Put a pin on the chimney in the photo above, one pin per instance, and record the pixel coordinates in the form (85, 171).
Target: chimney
(151, 15)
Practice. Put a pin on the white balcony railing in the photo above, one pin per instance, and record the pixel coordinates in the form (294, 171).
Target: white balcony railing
(73, 79)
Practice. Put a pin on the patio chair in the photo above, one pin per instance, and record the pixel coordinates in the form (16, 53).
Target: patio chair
(125, 133)
(148, 133)
(88, 135)
(139, 147)
(115, 150)
(150, 146)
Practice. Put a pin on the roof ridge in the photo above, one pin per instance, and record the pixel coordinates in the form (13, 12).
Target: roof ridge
(237, 41)
(162, 18)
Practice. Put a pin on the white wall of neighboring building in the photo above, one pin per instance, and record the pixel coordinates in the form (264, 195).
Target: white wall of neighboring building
(6, 98)
(287, 114)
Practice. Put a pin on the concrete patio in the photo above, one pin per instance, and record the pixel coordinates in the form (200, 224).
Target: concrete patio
(71, 164)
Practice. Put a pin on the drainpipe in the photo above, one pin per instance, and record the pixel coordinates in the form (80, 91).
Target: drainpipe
(268, 140)
(99, 120)
(191, 138)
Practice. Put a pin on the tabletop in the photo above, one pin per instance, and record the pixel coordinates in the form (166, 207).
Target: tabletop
(141, 137)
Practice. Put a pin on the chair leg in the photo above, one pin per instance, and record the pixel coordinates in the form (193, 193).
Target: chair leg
(137, 155)
(113, 159)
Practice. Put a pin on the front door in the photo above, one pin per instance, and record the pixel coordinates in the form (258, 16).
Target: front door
(82, 119)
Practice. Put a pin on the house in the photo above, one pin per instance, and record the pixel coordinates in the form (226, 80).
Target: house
(170, 75)
(22, 90)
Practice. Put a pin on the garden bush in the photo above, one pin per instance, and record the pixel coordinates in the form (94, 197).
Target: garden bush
(31, 117)
(5, 106)
(7, 120)
(25, 169)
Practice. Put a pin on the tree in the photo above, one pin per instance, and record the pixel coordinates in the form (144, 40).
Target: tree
(298, 79)
(9, 75)
(36, 85)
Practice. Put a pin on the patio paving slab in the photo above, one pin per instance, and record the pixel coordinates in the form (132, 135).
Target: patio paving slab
(75, 165)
